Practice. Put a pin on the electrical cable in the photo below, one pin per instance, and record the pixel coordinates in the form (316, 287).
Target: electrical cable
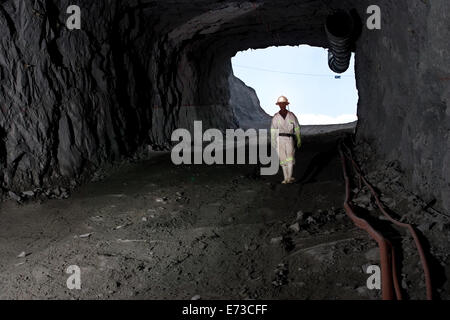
(292, 73)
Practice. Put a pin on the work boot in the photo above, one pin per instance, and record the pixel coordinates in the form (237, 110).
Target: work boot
(290, 171)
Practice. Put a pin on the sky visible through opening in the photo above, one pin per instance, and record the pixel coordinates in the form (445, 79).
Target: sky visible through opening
(301, 74)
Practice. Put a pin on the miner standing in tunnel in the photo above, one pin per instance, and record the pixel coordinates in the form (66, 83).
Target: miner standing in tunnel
(285, 131)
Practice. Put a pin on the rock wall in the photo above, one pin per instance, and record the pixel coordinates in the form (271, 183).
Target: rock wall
(403, 81)
(71, 101)
(246, 106)
(62, 97)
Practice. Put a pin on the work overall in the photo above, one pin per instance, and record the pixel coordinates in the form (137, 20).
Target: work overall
(288, 131)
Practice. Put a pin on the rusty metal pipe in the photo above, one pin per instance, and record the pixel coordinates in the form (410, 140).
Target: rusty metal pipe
(397, 287)
(412, 231)
(384, 245)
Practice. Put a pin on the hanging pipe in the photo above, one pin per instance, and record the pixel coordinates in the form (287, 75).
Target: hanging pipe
(339, 28)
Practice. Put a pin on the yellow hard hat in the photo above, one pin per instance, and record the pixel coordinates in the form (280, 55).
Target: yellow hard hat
(282, 99)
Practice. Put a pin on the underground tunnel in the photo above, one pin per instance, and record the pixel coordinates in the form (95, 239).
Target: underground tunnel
(86, 122)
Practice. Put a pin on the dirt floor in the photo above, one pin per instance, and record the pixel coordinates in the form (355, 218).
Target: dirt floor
(153, 230)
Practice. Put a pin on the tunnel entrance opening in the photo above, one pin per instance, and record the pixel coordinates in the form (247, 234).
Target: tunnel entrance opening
(317, 95)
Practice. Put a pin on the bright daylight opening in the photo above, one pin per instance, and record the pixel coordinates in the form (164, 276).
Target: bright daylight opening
(318, 96)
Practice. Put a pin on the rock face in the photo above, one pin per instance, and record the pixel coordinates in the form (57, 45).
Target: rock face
(403, 80)
(246, 105)
(71, 101)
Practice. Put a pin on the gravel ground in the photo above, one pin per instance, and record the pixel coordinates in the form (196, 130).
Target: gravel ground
(152, 230)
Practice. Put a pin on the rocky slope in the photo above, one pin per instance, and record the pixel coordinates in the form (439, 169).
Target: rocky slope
(246, 105)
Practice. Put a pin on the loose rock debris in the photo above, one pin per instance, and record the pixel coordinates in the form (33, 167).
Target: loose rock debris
(224, 243)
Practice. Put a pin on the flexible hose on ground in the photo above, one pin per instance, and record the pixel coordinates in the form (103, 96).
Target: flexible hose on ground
(386, 249)
(412, 231)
